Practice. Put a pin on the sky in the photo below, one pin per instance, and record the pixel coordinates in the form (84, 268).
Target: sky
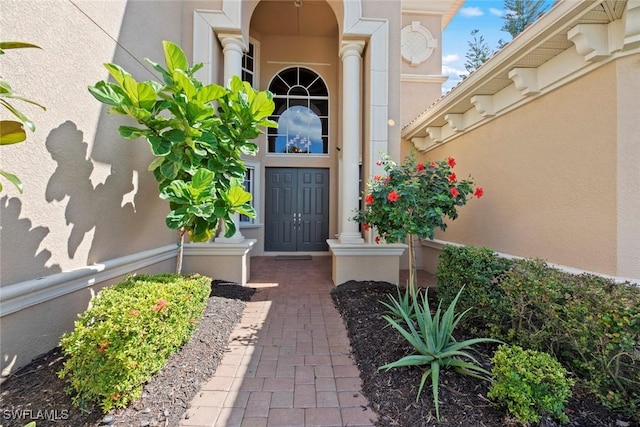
(484, 15)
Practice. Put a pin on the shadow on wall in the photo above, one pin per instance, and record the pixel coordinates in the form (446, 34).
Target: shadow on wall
(30, 238)
(88, 208)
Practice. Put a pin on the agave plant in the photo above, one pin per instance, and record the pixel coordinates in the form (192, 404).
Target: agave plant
(402, 305)
(431, 336)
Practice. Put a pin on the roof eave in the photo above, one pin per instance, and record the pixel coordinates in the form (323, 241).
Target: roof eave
(555, 20)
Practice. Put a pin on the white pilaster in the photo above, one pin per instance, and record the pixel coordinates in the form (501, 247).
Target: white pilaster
(233, 48)
(351, 83)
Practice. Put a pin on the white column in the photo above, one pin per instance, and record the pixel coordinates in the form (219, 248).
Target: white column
(351, 84)
(232, 49)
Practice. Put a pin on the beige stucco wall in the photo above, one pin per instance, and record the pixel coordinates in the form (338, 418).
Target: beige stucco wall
(549, 174)
(88, 197)
(87, 194)
(628, 170)
(420, 85)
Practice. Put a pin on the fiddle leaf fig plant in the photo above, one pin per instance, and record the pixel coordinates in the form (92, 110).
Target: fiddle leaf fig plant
(12, 131)
(197, 134)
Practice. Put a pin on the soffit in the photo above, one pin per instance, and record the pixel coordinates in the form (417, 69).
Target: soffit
(540, 52)
(314, 18)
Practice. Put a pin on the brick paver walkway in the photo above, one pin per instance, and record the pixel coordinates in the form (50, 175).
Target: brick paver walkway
(288, 362)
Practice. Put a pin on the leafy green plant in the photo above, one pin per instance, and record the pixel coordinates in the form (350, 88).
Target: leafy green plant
(188, 134)
(480, 271)
(434, 344)
(591, 324)
(12, 131)
(128, 333)
(532, 384)
(412, 200)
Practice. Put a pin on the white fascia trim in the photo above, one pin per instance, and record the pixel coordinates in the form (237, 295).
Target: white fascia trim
(377, 31)
(18, 296)
(203, 41)
(352, 13)
(423, 78)
(229, 18)
(560, 15)
(562, 69)
(438, 8)
(365, 249)
(440, 244)
(219, 249)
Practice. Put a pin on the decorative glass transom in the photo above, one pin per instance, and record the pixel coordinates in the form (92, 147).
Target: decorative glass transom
(302, 113)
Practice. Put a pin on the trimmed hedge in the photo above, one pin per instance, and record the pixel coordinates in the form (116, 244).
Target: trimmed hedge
(127, 335)
(589, 323)
(479, 270)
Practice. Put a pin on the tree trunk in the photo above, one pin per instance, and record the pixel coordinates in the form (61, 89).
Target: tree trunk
(180, 250)
(412, 267)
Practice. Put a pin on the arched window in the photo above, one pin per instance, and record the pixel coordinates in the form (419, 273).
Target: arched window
(302, 113)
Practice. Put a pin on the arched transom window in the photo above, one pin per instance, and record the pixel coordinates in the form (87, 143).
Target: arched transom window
(302, 113)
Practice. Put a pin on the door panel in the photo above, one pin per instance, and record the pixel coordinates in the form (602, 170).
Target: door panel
(297, 213)
(313, 204)
(279, 233)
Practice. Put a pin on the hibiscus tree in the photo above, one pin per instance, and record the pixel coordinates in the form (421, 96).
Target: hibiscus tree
(413, 199)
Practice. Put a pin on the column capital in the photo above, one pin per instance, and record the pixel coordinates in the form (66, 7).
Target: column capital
(232, 42)
(351, 48)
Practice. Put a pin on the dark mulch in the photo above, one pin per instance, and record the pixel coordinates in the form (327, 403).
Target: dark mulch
(392, 394)
(36, 387)
(463, 400)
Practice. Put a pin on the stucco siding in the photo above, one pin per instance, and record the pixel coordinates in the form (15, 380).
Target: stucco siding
(549, 174)
(88, 197)
(87, 193)
(628, 172)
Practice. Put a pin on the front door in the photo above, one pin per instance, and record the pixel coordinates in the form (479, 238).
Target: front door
(296, 209)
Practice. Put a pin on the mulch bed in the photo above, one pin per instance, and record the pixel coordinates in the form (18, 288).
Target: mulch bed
(463, 400)
(392, 394)
(35, 391)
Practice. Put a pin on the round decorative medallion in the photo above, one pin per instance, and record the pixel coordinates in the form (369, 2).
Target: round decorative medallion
(417, 43)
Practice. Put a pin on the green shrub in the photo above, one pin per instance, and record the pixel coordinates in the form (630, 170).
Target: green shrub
(479, 270)
(534, 296)
(532, 384)
(433, 342)
(128, 333)
(591, 324)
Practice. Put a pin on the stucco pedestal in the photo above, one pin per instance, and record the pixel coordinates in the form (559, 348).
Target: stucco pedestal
(220, 261)
(353, 261)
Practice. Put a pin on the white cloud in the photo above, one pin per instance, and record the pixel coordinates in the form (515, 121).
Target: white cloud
(496, 12)
(454, 75)
(471, 12)
(448, 59)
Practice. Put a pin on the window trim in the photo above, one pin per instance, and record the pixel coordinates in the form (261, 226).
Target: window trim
(255, 192)
(309, 99)
(256, 62)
